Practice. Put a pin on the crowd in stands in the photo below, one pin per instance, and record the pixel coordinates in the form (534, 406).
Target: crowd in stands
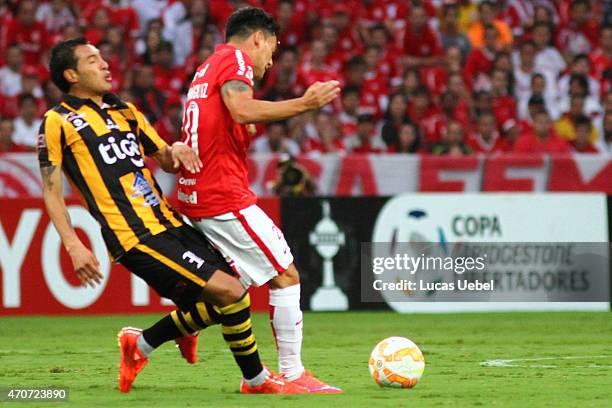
(439, 76)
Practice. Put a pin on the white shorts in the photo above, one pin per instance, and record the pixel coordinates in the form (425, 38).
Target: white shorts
(250, 242)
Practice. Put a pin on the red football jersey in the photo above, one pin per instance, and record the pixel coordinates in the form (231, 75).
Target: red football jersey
(222, 184)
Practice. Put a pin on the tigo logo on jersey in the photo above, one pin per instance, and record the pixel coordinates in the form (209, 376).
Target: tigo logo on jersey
(142, 188)
(127, 147)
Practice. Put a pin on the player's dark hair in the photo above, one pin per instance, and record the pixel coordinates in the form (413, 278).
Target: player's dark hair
(247, 20)
(62, 58)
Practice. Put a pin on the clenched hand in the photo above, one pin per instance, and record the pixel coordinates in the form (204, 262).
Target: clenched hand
(320, 94)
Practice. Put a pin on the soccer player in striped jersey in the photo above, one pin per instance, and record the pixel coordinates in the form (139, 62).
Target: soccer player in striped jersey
(101, 142)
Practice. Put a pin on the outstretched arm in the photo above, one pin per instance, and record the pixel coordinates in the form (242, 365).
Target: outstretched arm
(238, 98)
(84, 261)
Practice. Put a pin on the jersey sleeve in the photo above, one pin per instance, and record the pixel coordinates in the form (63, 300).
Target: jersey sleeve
(148, 137)
(236, 67)
(51, 140)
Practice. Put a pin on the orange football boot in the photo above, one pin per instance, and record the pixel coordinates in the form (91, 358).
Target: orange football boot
(314, 385)
(272, 385)
(132, 360)
(188, 346)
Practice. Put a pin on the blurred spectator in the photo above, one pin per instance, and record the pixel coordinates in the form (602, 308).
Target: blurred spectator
(147, 10)
(411, 81)
(374, 88)
(6, 142)
(187, 35)
(582, 143)
(425, 114)
(146, 46)
(542, 139)
(548, 59)
(566, 125)
(10, 74)
(486, 138)
(544, 11)
(581, 65)
(327, 138)
(480, 61)
(601, 58)
(519, 15)
(409, 140)
(390, 66)
(452, 108)
(606, 143)
(30, 34)
(147, 97)
(276, 140)
(169, 126)
(27, 123)
(539, 87)
(348, 115)
(524, 77)
(456, 87)
(348, 43)
(535, 104)
(365, 139)
(123, 15)
(487, 11)
(96, 30)
(291, 24)
(483, 102)
(452, 142)
(313, 68)
(503, 105)
(421, 44)
(449, 29)
(55, 15)
(579, 86)
(167, 77)
(581, 34)
(395, 117)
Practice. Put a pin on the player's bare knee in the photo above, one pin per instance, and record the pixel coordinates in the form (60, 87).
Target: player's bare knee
(288, 278)
(223, 290)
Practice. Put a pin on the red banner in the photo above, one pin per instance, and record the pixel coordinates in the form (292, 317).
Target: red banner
(383, 174)
(37, 275)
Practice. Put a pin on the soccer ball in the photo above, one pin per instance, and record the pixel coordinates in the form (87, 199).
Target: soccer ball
(396, 362)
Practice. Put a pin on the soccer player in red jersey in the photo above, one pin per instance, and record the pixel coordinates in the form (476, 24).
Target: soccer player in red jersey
(219, 110)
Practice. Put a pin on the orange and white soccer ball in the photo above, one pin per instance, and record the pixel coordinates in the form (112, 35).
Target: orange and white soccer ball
(396, 362)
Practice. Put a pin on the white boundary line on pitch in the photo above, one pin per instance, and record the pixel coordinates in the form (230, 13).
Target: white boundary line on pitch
(500, 362)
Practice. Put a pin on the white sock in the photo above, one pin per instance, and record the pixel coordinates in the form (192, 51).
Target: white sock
(286, 320)
(144, 347)
(258, 379)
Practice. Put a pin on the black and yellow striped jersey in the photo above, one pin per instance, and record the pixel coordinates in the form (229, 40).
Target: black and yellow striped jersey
(101, 150)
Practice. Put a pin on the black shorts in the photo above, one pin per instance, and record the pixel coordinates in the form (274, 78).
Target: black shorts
(176, 263)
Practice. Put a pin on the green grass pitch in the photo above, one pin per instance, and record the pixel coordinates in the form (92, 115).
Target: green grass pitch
(81, 353)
